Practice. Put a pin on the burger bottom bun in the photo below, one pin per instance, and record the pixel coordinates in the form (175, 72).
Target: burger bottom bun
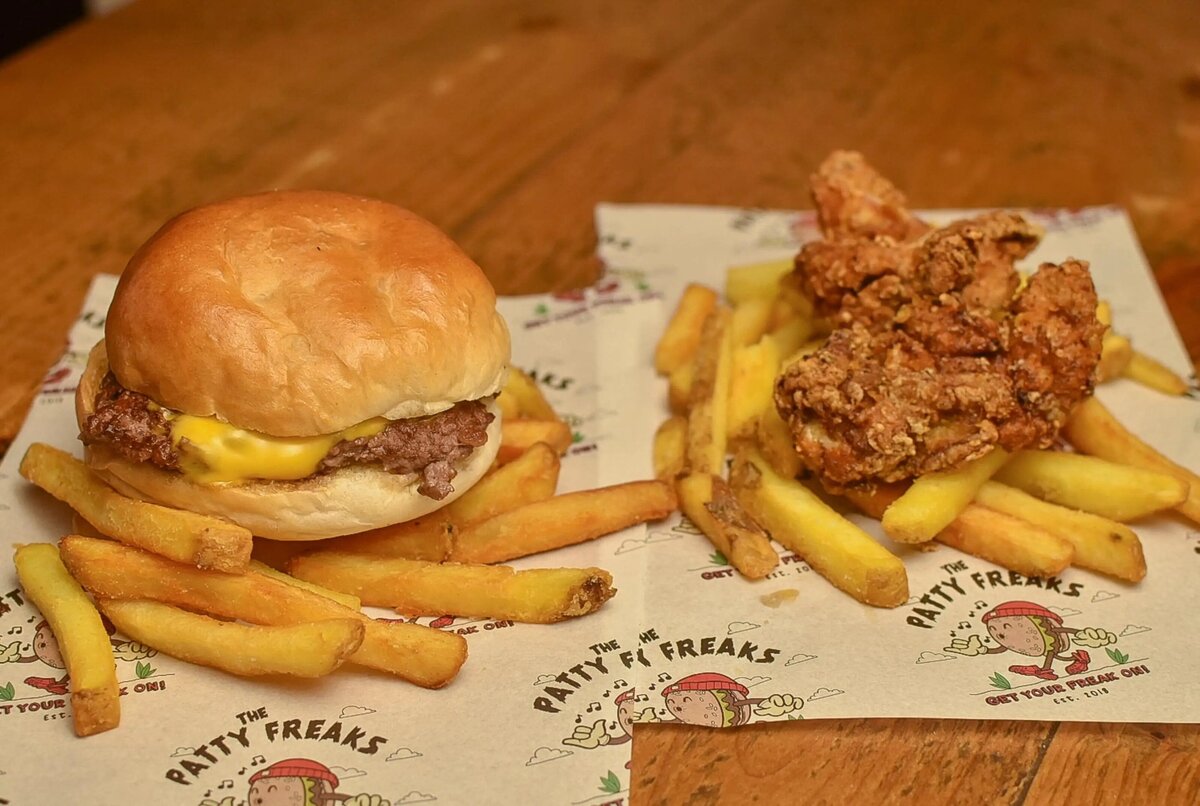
(349, 500)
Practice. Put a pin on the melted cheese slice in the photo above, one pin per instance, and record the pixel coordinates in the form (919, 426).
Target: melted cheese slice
(211, 451)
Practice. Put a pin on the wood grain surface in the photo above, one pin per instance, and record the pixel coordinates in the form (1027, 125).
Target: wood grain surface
(505, 122)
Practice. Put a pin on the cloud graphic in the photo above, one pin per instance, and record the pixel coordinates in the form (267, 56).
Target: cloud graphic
(543, 679)
(348, 772)
(544, 754)
(356, 710)
(183, 751)
(1066, 612)
(403, 754)
(932, 657)
(633, 543)
(742, 626)
(414, 797)
(799, 657)
(1104, 596)
(1133, 629)
(823, 692)
(751, 682)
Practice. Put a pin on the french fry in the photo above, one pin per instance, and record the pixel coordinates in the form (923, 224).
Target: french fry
(756, 280)
(1093, 429)
(312, 649)
(80, 526)
(874, 503)
(775, 442)
(710, 504)
(518, 436)
(792, 293)
(1099, 543)
(682, 336)
(536, 596)
(563, 521)
(1115, 354)
(532, 476)
(752, 385)
(344, 599)
(793, 335)
(803, 351)
(679, 387)
(109, 570)
(782, 313)
(430, 538)
(934, 500)
(531, 403)
(185, 537)
(1004, 540)
(510, 409)
(670, 448)
(837, 549)
(82, 639)
(709, 401)
(1148, 372)
(1104, 313)
(1108, 489)
(750, 321)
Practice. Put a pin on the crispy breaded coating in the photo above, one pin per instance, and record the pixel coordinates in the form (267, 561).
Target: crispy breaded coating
(934, 359)
(854, 201)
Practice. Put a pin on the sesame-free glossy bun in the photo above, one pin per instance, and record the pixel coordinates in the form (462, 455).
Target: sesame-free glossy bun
(348, 500)
(297, 313)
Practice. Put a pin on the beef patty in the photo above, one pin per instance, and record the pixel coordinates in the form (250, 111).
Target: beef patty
(135, 427)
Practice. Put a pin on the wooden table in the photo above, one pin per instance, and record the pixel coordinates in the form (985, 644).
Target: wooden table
(505, 122)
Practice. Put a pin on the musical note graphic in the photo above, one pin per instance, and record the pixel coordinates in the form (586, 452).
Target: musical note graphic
(254, 762)
(578, 719)
(16, 631)
(605, 694)
(619, 684)
(981, 604)
(226, 784)
(964, 625)
(664, 677)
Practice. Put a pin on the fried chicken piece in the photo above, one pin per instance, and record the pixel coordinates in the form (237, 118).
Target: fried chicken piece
(934, 359)
(881, 407)
(887, 404)
(854, 201)
(1054, 343)
(973, 258)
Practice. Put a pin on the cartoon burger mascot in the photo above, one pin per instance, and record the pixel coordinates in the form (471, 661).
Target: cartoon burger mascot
(717, 701)
(589, 737)
(1030, 629)
(294, 782)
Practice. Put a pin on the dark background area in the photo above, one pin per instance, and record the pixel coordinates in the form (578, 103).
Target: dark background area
(23, 22)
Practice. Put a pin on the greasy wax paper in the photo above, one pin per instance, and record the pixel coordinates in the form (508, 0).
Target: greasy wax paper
(821, 654)
(543, 714)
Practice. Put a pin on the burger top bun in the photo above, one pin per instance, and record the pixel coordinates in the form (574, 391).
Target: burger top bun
(297, 313)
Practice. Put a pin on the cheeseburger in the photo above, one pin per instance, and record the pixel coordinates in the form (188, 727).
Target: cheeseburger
(306, 364)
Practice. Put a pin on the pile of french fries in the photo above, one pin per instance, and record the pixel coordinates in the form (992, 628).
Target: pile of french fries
(1035, 512)
(187, 585)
